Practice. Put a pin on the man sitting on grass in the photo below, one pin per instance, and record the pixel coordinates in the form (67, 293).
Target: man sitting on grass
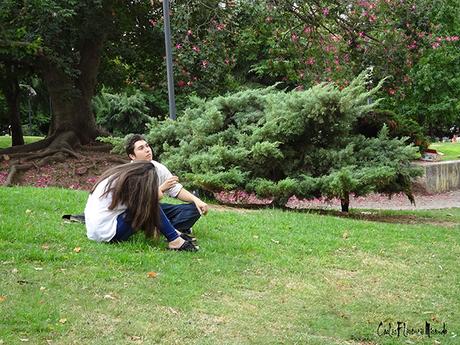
(181, 216)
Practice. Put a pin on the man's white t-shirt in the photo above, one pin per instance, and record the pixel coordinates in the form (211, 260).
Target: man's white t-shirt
(163, 174)
(101, 223)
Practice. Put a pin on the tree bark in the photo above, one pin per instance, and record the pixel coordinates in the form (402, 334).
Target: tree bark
(12, 92)
(71, 107)
(345, 203)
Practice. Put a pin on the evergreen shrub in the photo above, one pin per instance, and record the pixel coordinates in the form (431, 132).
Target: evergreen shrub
(279, 144)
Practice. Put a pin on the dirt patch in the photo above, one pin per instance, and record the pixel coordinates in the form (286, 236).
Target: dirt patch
(73, 173)
(225, 208)
(376, 217)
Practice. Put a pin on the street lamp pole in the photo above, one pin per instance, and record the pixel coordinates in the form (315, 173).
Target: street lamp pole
(169, 62)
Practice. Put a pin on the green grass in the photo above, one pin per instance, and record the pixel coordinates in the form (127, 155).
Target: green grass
(5, 141)
(260, 277)
(451, 151)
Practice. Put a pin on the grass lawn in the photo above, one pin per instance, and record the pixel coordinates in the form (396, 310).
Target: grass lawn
(5, 141)
(451, 151)
(261, 277)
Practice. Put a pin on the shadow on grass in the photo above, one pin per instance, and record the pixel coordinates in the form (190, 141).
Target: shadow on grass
(378, 216)
(368, 215)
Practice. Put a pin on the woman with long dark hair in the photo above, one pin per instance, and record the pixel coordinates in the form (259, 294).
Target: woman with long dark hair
(126, 199)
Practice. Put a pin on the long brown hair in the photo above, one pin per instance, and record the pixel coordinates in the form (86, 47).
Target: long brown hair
(135, 185)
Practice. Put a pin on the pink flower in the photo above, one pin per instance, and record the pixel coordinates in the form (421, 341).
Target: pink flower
(153, 22)
(294, 37)
(307, 30)
(310, 61)
(196, 49)
(181, 83)
(435, 45)
(205, 63)
(220, 27)
(391, 91)
(178, 46)
(325, 11)
(189, 32)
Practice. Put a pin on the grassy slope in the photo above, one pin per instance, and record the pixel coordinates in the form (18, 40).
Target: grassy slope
(5, 141)
(451, 151)
(261, 277)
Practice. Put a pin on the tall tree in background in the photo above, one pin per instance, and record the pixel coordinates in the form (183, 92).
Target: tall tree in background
(65, 41)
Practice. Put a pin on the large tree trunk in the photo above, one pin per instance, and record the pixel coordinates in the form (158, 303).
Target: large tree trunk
(71, 97)
(345, 203)
(12, 92)
(71, 110)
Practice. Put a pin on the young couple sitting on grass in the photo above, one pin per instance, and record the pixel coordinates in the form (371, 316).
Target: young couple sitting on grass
(126, 198)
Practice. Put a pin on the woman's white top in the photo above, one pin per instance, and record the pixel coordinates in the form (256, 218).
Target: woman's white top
(101, 223)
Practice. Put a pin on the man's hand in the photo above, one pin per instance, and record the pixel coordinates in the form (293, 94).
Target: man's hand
(201, 206)
(169, 183)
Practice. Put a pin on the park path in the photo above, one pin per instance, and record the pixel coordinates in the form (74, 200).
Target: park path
(381, 202)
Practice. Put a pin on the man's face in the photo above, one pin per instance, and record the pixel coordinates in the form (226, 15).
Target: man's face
(142, 151)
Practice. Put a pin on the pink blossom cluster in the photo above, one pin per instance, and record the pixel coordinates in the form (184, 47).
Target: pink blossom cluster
(91, 180)
(241, 197)
(43, 181)
(3, 176)
(439, 40)
(367, 4)
(75, 186)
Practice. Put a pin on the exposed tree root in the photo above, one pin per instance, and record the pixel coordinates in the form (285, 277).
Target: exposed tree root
(53, 149)
(47, 158)
(97, 148)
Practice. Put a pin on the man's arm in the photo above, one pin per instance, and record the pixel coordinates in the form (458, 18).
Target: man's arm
(186, 196)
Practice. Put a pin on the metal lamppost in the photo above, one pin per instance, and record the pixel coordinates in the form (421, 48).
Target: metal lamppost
(169, 62)
(30, 94)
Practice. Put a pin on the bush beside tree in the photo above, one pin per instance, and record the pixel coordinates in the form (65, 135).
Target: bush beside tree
(279, 144)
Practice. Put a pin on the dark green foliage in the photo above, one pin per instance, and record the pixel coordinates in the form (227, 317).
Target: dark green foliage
(279, 144)
(434, 96)
(399, 126)
(121, 113)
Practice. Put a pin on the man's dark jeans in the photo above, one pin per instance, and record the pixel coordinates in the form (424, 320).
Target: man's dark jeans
(181, 216)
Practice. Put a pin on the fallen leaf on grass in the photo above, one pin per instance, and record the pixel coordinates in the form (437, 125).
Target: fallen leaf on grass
(24, 340)
(136, 338)
(77, 249)
(63, 321)
(275, 241)
(152, 274)
(42, 288)
(108, 296)
(2, 299)
(28, 211)
(14, 270)
(45, 246)
(172, 310)
(38, 268)
(345, 235)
